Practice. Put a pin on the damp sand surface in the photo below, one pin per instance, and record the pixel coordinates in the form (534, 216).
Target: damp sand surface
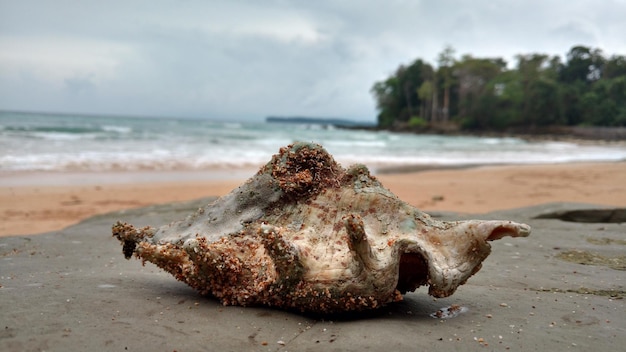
(72, 290)
(40, 202)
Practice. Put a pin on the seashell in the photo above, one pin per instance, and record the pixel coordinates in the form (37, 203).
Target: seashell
(306, 234)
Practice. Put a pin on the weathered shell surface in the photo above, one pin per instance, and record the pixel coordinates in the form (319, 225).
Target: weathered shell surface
(305, 233)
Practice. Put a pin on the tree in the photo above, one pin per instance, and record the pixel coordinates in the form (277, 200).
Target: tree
(509, 95)
(541, 94)
(605, 103)
(446, 61)
(614, 67)
(482, 93)
(473, 76)
(425, 93)
(387, 101)
(583, 64)
(396, 97)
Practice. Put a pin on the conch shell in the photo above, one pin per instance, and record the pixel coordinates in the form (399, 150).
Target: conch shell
(306, 234)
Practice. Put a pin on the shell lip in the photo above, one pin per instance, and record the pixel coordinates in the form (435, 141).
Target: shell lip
(508, 228)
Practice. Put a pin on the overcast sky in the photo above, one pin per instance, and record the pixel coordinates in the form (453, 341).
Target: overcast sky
(249, 59)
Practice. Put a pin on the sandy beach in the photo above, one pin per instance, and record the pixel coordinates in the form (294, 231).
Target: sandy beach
(561, 288)
(71, 289)
(32, 203)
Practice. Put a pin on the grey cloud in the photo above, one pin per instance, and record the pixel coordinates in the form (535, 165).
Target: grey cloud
(573, 32)
(247, 59)
(79, 85)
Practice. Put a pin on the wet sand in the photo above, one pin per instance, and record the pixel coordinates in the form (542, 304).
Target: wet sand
(36, 203)
(72, 290)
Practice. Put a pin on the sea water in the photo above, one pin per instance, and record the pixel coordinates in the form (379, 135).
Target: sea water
(57, 142)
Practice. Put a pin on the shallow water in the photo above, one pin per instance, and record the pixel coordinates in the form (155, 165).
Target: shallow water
(55, 142)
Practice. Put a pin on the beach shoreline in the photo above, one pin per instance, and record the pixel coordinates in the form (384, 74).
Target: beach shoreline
(36, 202)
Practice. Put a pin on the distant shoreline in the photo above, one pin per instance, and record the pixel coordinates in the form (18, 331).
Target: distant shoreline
(306, 120)
(540, 134)
(563, 133)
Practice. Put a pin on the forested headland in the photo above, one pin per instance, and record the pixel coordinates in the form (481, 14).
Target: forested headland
(588, 88)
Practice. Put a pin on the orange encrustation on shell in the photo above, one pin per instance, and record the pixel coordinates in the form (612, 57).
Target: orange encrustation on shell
(306, 234)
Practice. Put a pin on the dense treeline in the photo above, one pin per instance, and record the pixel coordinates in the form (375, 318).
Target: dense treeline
(589, 89)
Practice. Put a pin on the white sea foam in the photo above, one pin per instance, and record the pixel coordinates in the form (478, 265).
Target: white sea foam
(118, 129)
(31, 142)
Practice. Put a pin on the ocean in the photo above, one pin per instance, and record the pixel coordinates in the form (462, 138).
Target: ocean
(58, 142)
